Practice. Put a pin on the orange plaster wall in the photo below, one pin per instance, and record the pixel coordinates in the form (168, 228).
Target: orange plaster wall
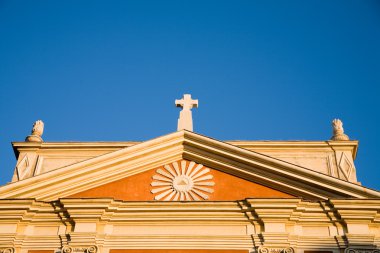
(137, 188)
(175, 251)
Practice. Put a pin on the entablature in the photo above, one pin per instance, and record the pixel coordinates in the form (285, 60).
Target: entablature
(249, 223)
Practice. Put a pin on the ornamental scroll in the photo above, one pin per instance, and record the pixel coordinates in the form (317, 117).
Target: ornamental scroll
(7, 250)
(355, 250)
(89, 249)
(262, 249)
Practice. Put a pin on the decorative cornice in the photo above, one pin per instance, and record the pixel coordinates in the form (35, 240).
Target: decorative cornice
(237, 161)
(249, 145)
(268, 170)
(117, 220)
(35, 146)
(312, 146)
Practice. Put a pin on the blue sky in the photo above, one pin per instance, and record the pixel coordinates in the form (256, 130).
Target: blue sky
(262, 70)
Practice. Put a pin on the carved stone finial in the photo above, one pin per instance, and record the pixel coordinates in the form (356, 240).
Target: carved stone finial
(37, 131)
(185, 120)
(338, 131)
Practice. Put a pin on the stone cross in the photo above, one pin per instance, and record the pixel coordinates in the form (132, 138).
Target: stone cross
(185, 120)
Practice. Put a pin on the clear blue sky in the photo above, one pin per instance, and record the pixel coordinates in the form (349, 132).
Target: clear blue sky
(262, 70)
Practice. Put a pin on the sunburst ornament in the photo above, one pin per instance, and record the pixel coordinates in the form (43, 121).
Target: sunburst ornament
(185, 182)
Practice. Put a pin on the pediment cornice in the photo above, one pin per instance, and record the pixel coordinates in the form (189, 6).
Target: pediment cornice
(147, 155)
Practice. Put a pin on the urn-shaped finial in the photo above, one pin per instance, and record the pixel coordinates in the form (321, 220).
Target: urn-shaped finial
(37, 131)
(338, 131)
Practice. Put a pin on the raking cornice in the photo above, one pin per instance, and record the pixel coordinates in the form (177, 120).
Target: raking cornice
(183, 144)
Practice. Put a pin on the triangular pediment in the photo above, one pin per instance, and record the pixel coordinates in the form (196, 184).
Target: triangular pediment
(182, 181)
(129, 162)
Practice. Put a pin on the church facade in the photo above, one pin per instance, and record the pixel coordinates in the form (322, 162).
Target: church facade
(185, 192)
